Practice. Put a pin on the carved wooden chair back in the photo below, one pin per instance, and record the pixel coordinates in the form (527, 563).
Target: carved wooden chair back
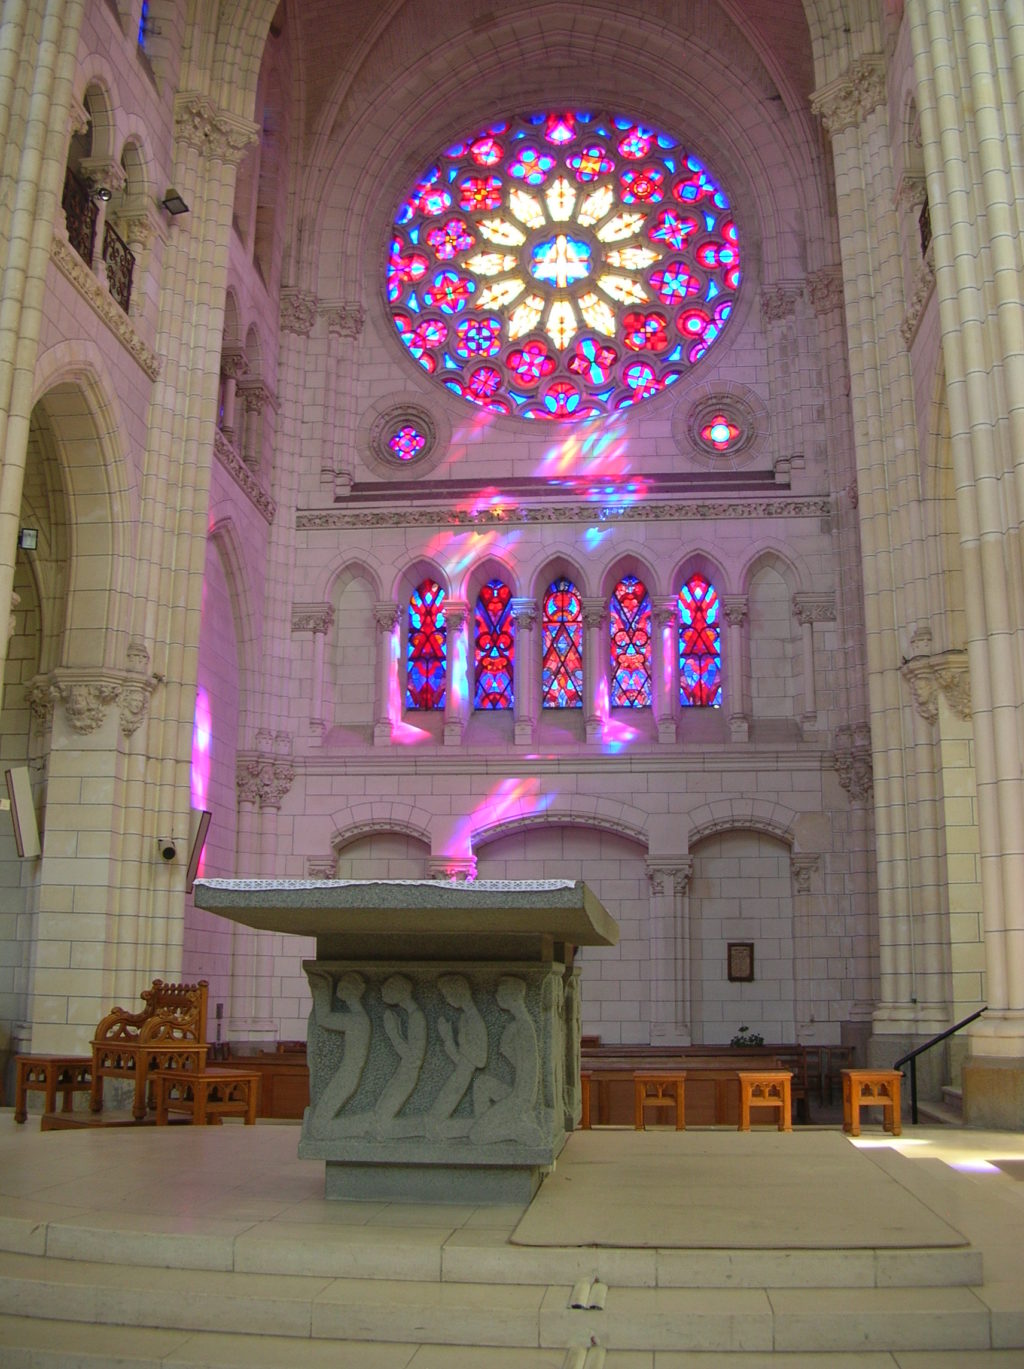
(173, 1012)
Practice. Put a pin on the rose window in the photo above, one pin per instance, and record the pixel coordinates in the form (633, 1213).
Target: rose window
(562, 265)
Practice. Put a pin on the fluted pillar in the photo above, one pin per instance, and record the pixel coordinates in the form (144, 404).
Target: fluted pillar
(595, 666)
(665, 666)
(388, 686)
(670, 952)
(233, 366)
(344, 324)
(457, 671)
(527, 670)
(734, 609)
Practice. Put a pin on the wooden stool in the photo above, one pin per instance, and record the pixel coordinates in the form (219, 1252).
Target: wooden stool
(49, 1073)
(871, 1088)
(207, 1096)
(585, 1078)
(651, 1089)
(766, 1089)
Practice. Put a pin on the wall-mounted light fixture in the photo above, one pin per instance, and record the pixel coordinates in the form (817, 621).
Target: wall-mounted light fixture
(28, 539)
(173, 202)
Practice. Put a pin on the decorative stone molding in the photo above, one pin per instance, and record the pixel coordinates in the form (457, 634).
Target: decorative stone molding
(99, 298)
(343, 320)
(138, 230)
(595, 612)
(459, 869)
(243, 476)
(852, 760)
(256, 395)
(945, 672)
(96, 171)
(852, 493)
(12, 622)
(78, 117)
(672, 878)
(779, 302)
(322, 867)
(221, 137)
(264, 779)
(825, 289)
(86, 697)
(924, 284)
(385, 615)
(444, 516)
(234, 364)
(524, 613)
(803, 867)
(298, 312)
(814, 608)
(911, 192)
(312, 617)
(137, 689)
(735, 607)
(847, 101)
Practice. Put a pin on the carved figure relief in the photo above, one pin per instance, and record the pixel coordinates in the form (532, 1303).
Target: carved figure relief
(504, 1111)
(465, 1044)
(406, 1029)
(353, 1023)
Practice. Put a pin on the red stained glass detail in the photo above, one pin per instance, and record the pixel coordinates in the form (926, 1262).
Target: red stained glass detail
(645, 187)
(700, 658)
(561, 399)
(495, 647)
(672, 228)
(407, 442)
(715, 254)
(562, 647)
(449, 292)
(720, 433)
(531, 166)
(427, 649)
(479, 193)
(404, 268)
(486, 151)
(428, 333)
(560, 128)
(645, 332)
(450, 239)
(673, 283)
(641, 379)
(478, 337)
(591, 164)
(630, 625)
(693, 322)
(483, 383)
(636, 142)
(593, 361)
(531, 363)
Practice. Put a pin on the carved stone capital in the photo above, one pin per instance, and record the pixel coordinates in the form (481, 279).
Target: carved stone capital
(457, 868)
(671, 878)
(312, 617)
(847, 101)
(263, 780)
(234, 364)
(456, 614)
(255, 396)
(735, 607)
(825, 289)
(803, 865)
(779, 302)
(595, 612)
(945, 673)
(78, 117)
(221, 137)
(911, 192)
(385, 615)
(96, 171)
(298, 312)
(322, 867)
(814, 608)
(524, 613)
(138, 231)
(343, 320)
(852, 760)
(86, 697)
(920, 294)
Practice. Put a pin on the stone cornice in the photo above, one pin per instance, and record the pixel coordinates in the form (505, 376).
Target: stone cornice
(201, 125)
(243, 476)
(74, 269)
(443, 516)
(847, 101)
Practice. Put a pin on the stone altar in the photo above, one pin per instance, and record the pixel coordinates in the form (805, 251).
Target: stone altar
(443, 1040)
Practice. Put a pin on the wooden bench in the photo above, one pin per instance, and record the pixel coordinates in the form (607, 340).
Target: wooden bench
(207, 1096)
(50, 1075)
(659, 1089)
(871, 1088)
(766, 1089)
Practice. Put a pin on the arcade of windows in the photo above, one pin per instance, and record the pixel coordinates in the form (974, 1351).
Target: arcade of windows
(628, 639)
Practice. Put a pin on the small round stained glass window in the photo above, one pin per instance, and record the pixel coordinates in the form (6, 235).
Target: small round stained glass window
(406, 442)
(721, 433)
(563, 264)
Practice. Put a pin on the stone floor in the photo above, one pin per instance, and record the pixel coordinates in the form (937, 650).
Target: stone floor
(215, 1246)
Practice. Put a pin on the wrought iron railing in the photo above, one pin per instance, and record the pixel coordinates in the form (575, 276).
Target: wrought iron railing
(80, 210)
(120, 260)
(911, 1056)
(924, 227)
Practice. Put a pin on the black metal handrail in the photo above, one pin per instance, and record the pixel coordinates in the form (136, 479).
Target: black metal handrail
(911, 1056)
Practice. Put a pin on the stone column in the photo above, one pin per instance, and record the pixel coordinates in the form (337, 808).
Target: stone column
(233, 366)
(803, 867)
(242, 1023)
(808, 610)
(970, 55)
(526, 677)
(255, 397)
(337, 469)
(665, 666)
(778, 317)
(734, 609)
(670, 956)
(317, 619)
(853, 109)
(596, 656)
(101, 171)
(389, 702)
(457, 671)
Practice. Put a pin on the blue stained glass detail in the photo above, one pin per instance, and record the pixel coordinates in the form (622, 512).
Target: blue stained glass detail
(712, 291)
(495, 647)
(630, 627)
(427, 649)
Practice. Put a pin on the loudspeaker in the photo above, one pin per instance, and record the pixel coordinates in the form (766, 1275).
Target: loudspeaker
(199, 828)
(23, 812)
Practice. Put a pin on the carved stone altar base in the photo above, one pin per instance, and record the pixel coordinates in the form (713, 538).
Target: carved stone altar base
(443, 1041)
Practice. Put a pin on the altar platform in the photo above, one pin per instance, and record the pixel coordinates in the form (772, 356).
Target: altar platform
(653, 1250)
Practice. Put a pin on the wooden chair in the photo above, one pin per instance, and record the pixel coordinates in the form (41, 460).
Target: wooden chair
(169, 1033)
(660, 1089)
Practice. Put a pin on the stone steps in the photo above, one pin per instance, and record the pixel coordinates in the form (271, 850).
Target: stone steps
(522, 1316)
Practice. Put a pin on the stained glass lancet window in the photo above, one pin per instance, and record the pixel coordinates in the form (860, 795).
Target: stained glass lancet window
(562, 264)
(562, 647)
(630, 623)
(700, 653)
(495, 647)
(427, 649)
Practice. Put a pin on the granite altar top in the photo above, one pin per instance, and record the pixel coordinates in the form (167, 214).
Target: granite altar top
(562, 908)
